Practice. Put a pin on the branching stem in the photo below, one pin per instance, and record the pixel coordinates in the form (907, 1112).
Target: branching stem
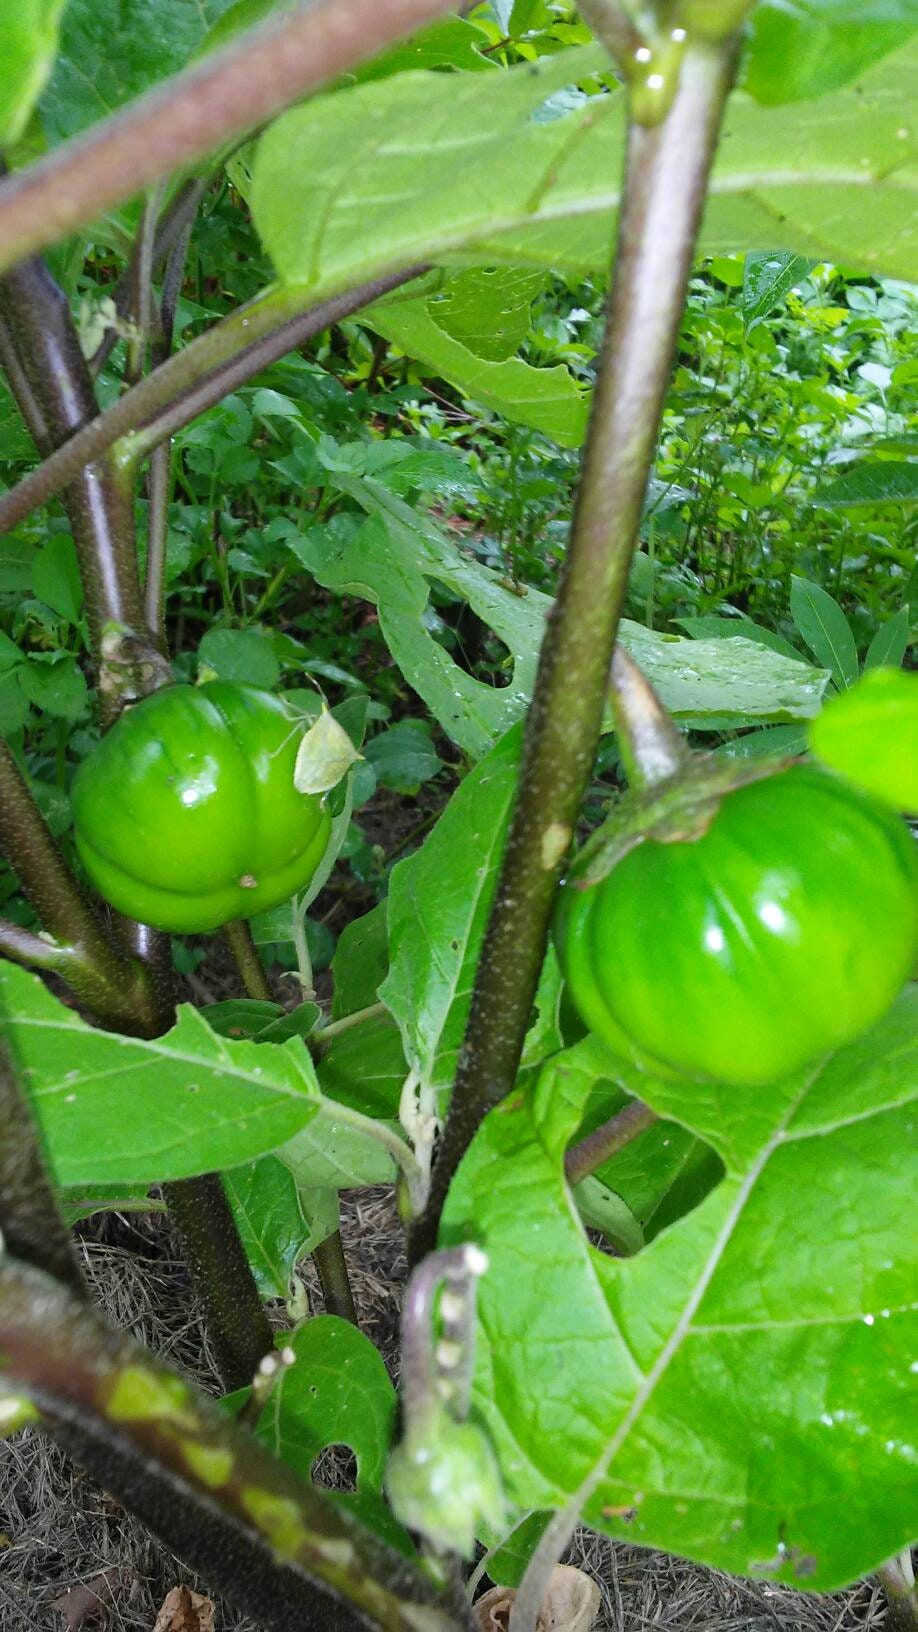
(196, 378)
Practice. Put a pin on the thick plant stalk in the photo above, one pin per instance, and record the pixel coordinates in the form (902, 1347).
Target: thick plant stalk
(191, 115)
(98, 499)
(286, 1555)
(30, 1223)
(667, 166)
(114, 986)
(160, 468)
(132, 996)
(235, 1320)
(328, 1256)
(197, 377)
(898, 1578)
(666, 173)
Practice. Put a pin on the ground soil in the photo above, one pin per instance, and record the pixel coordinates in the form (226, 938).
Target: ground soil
(59, 1529)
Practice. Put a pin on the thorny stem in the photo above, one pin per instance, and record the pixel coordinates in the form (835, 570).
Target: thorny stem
(666, 172)
(667, 166)
(196, 378)
(191, 115)
(279, 1549)
(584, 1158)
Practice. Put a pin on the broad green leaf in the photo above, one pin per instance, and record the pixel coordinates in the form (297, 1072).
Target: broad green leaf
(10, 653)
(767, 278)
(87, 1199)
(362, 1071)
(548, 399)
(28, 43)
(740, 1391)
(403, 757)
(364, 1067)
(872, 481)
(826, 630)
(278, 1223)
(833, 179)
(336, 1392)
(665, 1171)
(709, 625)
(111, 50)
(802, 48)
(870, 735)
(240, 1016)
(508, 1558)
(241, 655)
(391, 562)
(487, 309)
(398, 553)
(55, 683)
(439, 900)
(16, 559)
(125, 1110)
(14, 704)
(890, 643)
(15, 441)
(734, 681)
(604, 1210)
(241, 14)
(360, 962)
(772, 739)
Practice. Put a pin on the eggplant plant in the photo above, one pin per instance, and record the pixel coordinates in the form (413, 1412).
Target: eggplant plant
(718, 1075)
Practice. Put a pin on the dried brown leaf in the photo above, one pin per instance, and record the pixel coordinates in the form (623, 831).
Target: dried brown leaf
(185, 1611)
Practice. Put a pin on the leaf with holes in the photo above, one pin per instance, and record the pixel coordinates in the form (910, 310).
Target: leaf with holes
(547, 399)
(741, 1392)
(337, 1392)
(397, 554)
